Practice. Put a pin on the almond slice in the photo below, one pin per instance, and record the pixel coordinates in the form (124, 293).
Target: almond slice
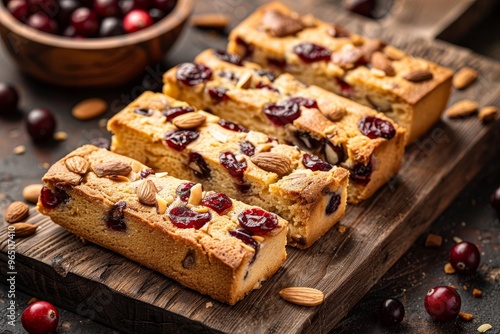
(302, 296)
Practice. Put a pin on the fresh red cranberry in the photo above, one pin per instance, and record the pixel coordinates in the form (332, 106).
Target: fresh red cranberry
(442, 303)
(107, 8)
(40, 317)
(218, 94)
(361, 173)
(247, 48)
(265, 73)
(246, 237)
(179, 140)
(115, 219)
(19, 9)
(465, 257)
(495, 200)
(277, 63)
(333, 202)
(310, 52)
(361, 7)
(305, 102)
(218, 202)
(183, 217)
(156, 14)
(173, 112)
(283, 112)
(228, 57)
(165, 5)
(193, 74)
(135, 20)
(391, 312)
(198, 165)
(258, 221)
(110, 26)
(184, 190)
(40, 124)
(146, 172)
(314, 163)
(345, 88)
(247, 148)
(261, 85)
(232, 126)
(100, 142)
(333, 154)
(42, 22)
(52, 198)
(85, 21)
(66, 9)
(235, 168)
(374, 127)
(143, 111)
(307, 141)
(9, 99)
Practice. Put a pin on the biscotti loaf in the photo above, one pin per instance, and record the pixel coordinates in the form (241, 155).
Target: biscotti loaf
(204, 240)
(339, 131)
(171, 136)
(412, 91)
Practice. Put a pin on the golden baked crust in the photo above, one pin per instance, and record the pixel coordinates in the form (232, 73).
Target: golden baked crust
(415, 106)
(264, 177)
(206, 258)
(329, 129)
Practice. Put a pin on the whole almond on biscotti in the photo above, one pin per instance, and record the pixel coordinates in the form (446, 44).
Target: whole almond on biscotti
(488, 113)
(335, 113)
(111, 168)
(272, 162)
(461, 109)
(31, 192)
(189, 121)
(146, 192)
(280, 25)
(418, 75)
(77, 164)
(302, 296)
(24, 229)
(394, 53)
(464, 77)
(16, 212)
(381, 62)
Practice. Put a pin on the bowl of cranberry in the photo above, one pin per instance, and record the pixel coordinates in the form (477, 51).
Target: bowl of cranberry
(90, 43)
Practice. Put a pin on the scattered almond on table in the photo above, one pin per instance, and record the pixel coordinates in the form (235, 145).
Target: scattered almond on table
(462, 108)
(448, 269)
(16, 212)
(476, 293)
(464, 77)
(24, 229)
(484, 327)
(60, 136)
(89, 108)
(488, 113)
(433, 241)
(211, 21)
(31, 193)
(466, 316)
(18, 150)
(302, 296)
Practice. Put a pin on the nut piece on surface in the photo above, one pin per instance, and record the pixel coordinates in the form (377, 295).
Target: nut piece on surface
(488, 113)
(245, 80)
(16, 212)
(418, 75)
(272, 162)
(24, 229)
(32, 192)
(476, 293)
(302, 296)
(464, 77)
(433, 241)
(89, 108)
(18, 150)
(111, 168)
(77, 164)
(484, 327)
(461, 108)
(465, 316)
(448, 269)
(189, 121)
(146, 192)
(210, 21)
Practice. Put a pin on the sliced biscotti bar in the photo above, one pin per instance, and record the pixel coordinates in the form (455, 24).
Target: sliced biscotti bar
(412, 91)
(333, 128)
(204, 240)
(171, 136)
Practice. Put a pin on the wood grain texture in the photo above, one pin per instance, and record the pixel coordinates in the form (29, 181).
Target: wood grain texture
(110, 289)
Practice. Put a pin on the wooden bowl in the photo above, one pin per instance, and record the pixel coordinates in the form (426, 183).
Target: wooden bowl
(96, 62)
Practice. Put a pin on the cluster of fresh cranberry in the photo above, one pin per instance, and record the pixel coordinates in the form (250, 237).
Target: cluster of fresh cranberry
(89, 18)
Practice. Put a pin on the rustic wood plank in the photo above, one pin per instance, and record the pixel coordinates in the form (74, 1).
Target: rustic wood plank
(108, 288)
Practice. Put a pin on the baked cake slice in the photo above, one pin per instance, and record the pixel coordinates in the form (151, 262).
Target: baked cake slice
(412, 91)
(338, 130)
(170, 135)
(203, 239)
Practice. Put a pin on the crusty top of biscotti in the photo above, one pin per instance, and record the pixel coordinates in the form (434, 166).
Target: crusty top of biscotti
(111, 178)
(262, 28)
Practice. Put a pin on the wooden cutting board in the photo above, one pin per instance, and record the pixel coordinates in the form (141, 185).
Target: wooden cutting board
(103, 286)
